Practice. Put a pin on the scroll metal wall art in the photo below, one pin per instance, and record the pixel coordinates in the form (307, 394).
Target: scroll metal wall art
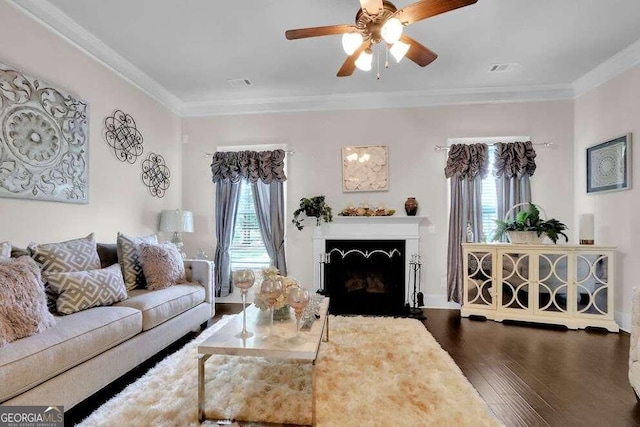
(155, 174)
(123, 136)
(44, 140)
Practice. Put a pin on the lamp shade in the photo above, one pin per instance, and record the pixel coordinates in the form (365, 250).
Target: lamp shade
(399, 50)
(176, 221)
(391, 30)
(351, 42)
(364, 60)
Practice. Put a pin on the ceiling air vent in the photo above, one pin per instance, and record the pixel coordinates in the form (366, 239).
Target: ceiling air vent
(502, 68)
(239, 82)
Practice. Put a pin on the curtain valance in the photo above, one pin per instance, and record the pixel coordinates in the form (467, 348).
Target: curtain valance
(467, 161)
(514, 159)
(233, 166)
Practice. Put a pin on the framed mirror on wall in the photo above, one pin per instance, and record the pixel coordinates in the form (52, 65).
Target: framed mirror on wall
(365, 168)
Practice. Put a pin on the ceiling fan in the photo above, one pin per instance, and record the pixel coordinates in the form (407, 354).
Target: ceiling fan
(380, 21)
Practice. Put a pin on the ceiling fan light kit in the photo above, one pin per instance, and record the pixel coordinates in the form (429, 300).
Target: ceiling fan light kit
(379, 21)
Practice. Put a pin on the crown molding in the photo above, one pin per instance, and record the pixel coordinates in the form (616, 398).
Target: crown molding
(52, 18)
(622, 61)
(365, 101)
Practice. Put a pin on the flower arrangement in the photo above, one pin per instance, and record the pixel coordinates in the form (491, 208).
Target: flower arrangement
(287, 282)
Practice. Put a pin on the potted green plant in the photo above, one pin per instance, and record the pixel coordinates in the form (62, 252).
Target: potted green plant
(312, 207)
(529, 221)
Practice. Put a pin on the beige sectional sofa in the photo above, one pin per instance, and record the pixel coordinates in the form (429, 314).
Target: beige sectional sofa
(89, 349)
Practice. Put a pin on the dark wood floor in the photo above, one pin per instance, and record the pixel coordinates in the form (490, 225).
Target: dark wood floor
(529, 375)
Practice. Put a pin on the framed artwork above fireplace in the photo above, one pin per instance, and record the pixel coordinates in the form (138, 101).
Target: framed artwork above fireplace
(365, 168)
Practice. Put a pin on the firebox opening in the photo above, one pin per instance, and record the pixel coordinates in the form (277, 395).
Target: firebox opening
(365, 276)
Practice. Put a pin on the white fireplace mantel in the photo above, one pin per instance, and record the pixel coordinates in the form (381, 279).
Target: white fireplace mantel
(399, 227)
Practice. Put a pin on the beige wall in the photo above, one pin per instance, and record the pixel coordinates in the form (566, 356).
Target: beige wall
(606, 112)
(118, 201)
(416, 169)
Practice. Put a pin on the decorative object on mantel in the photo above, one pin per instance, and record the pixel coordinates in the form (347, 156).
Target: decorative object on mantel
(528, 227)
(44, 143)
(609, 165)
(312, 207)
(121, 133)
(155, 175)
(585, 227)
(364, 210)
(411, 206)
(365, 168)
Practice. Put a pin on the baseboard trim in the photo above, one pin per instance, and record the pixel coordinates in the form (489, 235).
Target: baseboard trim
(439, 301)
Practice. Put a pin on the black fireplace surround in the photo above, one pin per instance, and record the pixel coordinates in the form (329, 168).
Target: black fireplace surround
(365, 276)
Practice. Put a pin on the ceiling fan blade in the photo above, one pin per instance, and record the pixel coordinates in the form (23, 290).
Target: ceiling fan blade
(349, 65)
(427, 8)
(373, 7)
(329, 30)
(418, 53)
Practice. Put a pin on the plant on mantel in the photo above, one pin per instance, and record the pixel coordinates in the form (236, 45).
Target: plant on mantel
(529, 220)
(314, 207)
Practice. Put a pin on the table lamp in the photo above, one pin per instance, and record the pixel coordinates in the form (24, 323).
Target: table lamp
(177, 221)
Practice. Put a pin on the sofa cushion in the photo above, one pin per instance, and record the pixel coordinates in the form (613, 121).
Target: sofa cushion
(129, 259)
(79, 290)
(162, 265)
(163, 304)
(23, 304)
(5, 250)
(71, 255)
(75, 338)
(108, 253)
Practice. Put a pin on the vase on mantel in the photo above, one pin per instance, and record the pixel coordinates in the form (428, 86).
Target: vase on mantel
(411, 206)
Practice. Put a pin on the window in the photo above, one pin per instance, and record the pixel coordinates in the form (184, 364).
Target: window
(247, 248)
(489, 201)
(489, 190)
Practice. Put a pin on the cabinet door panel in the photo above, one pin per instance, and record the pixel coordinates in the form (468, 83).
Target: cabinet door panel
(479, 280)
(553, 283)
(515, 284)
(592, 284)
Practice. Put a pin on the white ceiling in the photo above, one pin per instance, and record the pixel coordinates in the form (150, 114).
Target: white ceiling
(183, 52)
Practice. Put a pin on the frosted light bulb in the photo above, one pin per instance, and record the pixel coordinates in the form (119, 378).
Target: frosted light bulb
(399, 50)
(391, 30)
(364, 60)
(351, 42)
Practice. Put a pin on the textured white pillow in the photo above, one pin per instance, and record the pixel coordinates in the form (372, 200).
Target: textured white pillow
(5, 250)
(79, 290)
(130, 260)
(162, 264)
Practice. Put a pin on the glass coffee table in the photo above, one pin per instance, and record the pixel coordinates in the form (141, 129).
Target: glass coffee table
(225, 342)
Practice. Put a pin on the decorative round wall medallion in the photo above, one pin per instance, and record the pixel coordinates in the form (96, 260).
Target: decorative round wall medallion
(122, 135)
(155, 174)
(44, 140)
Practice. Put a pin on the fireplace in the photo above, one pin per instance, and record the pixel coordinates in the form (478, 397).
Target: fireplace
(362, 262)
(365, 276)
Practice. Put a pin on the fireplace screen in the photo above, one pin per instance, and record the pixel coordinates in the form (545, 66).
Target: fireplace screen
(365, 276)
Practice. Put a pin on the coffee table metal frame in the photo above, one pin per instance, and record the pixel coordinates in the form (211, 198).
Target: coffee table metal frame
(224, 342)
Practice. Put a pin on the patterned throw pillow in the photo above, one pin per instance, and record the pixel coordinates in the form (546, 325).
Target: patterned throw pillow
(79, 290)
(71, 255)
(23, 305)
(130, 260)
(162, 264)
(5, 250)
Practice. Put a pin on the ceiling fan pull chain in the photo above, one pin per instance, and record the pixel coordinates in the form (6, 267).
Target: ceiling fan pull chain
(386, 58)
(378, 61)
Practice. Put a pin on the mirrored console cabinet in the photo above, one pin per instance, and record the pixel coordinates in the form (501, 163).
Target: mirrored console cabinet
(571, 285)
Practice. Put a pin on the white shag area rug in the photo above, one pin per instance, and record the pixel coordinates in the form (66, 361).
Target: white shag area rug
(374, 371)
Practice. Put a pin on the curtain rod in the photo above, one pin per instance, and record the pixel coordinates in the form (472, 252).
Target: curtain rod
(540, 144)
(289, 152)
